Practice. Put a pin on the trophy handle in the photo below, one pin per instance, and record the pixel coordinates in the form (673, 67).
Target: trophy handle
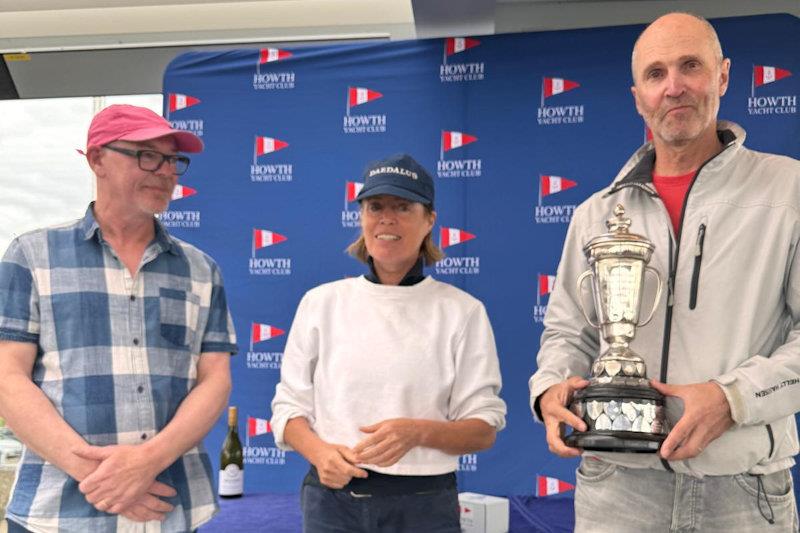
(658, 297)
(580, 299)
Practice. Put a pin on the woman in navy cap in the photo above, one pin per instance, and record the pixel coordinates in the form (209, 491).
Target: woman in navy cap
(388, 377)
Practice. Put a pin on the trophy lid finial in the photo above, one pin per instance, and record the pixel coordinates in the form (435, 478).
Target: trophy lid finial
(618, 224)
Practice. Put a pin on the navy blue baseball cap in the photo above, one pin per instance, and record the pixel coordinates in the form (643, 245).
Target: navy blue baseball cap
(398, 175)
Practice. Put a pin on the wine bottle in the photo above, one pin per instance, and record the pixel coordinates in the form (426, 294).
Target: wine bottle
(231, 460)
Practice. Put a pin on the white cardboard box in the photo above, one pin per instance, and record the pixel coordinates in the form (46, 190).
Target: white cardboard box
(483, 514)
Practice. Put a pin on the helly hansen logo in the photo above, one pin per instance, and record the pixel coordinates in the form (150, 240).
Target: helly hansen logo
(782, 384)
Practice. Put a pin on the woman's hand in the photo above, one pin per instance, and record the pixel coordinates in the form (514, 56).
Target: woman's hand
(388, 441)
(336, 465)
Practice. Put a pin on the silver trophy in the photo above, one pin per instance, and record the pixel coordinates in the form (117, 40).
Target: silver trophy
(622, 411)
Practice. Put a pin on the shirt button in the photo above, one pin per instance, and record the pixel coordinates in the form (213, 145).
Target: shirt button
(144, 436)
(136, 342)
(140, 388)
(133, 297)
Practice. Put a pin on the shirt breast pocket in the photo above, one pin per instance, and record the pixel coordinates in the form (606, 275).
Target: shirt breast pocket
(178, 314)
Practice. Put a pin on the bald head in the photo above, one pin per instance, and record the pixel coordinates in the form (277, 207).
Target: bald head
(676, 25)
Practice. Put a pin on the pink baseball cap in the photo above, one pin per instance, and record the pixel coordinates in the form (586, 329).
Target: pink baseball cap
(121, 122)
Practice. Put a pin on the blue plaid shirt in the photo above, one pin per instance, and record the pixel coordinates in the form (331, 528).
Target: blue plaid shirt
(116, 356)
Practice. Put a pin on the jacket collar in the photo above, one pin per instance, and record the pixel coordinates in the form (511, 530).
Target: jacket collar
(638, 170)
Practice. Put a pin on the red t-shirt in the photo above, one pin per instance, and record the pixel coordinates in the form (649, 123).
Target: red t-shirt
(672, 190)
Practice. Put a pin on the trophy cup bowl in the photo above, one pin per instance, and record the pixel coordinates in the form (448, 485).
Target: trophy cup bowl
(622, 412)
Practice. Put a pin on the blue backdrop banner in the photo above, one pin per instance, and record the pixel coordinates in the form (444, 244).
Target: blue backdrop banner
(516, 129)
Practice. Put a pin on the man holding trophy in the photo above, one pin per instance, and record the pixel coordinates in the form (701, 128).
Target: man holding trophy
(684, 415)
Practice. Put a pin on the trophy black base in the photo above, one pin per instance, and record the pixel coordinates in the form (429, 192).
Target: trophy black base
(625, 416)
(615, 441)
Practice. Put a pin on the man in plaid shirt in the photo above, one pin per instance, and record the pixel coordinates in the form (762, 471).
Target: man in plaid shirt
(115, 341)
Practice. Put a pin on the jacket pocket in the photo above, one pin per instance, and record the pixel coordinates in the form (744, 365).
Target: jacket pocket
(698, 261)
(178, 314)
(771, 441)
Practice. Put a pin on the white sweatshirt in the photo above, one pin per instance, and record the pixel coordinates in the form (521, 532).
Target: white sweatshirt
(359, 353)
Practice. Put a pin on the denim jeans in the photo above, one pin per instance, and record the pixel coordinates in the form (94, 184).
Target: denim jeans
(338, 511)
(615, 499)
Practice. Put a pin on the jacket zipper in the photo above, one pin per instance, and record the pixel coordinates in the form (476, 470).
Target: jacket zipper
(668, 315)
(674, 269)
(698, 260)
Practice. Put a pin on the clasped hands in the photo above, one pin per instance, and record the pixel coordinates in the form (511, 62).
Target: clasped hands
(123, 481)
(385, 444)
(706, 416)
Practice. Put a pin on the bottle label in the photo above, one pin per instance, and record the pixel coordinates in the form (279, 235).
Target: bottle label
(231, 481)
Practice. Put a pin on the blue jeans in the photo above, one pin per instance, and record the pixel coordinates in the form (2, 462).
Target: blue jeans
(615, 499)
(338, 511)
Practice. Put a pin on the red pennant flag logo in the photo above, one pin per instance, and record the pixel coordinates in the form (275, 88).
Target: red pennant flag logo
(181, 101)
(648, 134)
(270, 55)
(553, 86)
(352, 189)
(451, 236)
(763, 74)
(547, 486)
(553, 184)
(360, 95)
(257, 426)
(455, 45)
(264, 332)
(267, 145)
(456, 139)
(263, 238)
(546, 284)
(182, 191)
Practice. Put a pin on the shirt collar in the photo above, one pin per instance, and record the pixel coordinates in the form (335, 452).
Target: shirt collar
(162, 239)
(412, 277)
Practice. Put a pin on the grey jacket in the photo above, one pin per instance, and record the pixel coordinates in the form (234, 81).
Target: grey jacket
(731, 312)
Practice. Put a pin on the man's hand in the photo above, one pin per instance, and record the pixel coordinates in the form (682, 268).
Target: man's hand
(388, 441)
(124, 477)
(149, 507)
(706, 416)
(555, 415)
(336, 465)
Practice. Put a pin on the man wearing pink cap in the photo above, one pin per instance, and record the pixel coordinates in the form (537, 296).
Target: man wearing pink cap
(115, 340)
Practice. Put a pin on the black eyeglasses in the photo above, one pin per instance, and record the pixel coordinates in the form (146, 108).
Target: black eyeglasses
(152, 160)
